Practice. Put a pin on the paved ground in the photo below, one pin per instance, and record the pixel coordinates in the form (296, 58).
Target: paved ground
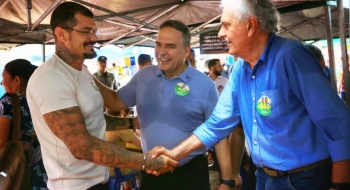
(214, 180)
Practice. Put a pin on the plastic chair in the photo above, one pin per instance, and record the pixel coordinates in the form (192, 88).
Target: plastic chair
(116, 182)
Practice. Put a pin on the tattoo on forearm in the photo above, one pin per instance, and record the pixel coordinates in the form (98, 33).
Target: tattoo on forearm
(116, 123)
(69, 126)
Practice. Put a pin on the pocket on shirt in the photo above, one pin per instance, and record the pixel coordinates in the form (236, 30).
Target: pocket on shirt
(275, 104)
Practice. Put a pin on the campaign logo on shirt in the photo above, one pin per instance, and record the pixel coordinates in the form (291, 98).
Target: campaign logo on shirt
(264, 105)
(181, 89)
(220, 88)
(94, 84)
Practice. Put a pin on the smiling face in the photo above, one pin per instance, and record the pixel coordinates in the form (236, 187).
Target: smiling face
(234, 32)
(80, 42)
(170, 52)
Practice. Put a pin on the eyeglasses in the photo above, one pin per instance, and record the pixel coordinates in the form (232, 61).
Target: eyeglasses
(91, 33)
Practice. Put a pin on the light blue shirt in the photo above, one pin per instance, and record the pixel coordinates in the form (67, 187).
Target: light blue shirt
(166, 119)
(308, 121)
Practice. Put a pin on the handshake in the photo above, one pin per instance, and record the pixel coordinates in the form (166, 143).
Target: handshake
(162, 161)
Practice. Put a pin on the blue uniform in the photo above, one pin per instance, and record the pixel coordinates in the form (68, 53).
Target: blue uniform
(166, 119)
(291, 115)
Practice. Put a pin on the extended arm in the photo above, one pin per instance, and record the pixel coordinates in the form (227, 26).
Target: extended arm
(69, 126)
(222, 151)
(237, 144)
(110, 97)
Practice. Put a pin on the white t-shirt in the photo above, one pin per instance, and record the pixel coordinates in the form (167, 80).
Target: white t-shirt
(54, 86)
(220, 83)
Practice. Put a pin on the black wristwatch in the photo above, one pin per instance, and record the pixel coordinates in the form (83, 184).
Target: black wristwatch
(230, 182)
(340, 186)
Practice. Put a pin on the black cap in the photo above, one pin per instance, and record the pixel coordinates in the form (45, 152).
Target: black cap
(102, 59)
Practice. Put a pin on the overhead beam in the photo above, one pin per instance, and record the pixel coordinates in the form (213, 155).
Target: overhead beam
(135, 43)
(3, 3)
(291, 33)
(44, 15)
(12, 24)
(150, 20)
(319, 20)
(136, 11)
(138, 22)
(318, 30)
(115, 13)
(206, 23)
(301, 24)
(129, 26)
(206, 30)
(152, 37)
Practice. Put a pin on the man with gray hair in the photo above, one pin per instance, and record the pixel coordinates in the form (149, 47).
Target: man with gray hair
(293, 133)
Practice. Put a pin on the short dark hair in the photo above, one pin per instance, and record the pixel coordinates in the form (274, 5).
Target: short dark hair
(64, 15)
(212, 62)
(178, 25)
(317, 52)
(143, 59)
(21, 68)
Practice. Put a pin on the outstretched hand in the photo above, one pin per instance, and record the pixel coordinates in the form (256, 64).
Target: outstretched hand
(169, 160)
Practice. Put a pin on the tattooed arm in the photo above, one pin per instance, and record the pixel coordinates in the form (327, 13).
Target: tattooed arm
(118, 123)
(69, 126)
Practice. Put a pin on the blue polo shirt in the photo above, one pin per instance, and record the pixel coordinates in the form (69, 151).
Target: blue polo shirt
(303, 121)
(166, 119)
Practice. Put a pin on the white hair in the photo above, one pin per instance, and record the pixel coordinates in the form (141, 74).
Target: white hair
(263, 10)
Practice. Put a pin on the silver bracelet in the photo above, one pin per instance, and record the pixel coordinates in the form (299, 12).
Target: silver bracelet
(144, 159)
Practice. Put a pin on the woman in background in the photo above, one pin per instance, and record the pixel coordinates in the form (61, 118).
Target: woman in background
(15, 78)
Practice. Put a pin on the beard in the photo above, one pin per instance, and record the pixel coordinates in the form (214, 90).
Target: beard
(217, 73)
(91, 55)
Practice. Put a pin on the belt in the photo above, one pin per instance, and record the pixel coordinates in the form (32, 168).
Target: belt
(276, 173)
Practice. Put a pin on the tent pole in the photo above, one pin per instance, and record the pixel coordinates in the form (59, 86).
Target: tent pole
(43, 48)
(328, 18)
(29, 7)
(344, 51)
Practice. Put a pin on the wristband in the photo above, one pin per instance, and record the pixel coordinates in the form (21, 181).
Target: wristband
(230, 182)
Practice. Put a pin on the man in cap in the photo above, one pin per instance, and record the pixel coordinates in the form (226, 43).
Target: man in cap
(103, 76)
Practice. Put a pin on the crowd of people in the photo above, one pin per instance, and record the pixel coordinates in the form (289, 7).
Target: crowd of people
(273, 99)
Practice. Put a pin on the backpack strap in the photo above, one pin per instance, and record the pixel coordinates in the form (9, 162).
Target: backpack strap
(16, 120)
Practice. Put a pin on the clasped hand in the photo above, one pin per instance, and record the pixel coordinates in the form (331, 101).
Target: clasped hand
(169, 160)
